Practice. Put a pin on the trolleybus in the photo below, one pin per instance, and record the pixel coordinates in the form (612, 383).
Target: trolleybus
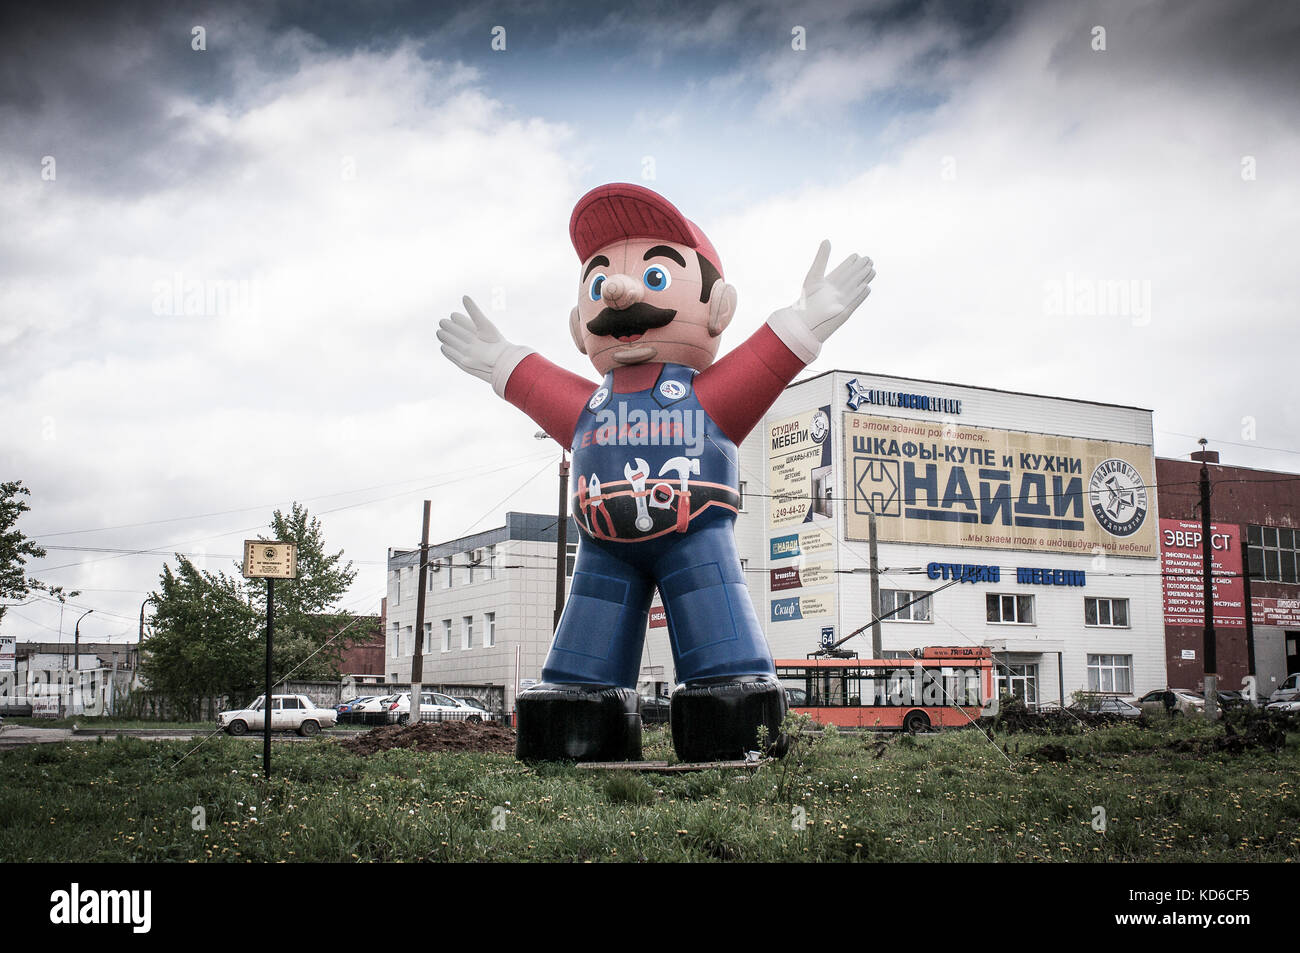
(938, 687)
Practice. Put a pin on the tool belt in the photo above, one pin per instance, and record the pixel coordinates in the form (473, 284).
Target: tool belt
(613, 513)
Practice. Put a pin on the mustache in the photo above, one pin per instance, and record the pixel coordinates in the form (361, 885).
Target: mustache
(634, 319)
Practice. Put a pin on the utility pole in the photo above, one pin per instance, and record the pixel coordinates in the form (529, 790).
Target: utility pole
(417, 661)
(1209, 648)
(876, 649)
(561, 538)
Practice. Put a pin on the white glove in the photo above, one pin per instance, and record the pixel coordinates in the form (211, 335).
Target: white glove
(827, 302)
(476, 346)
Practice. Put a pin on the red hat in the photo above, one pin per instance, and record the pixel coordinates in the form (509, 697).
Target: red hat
(615, 212)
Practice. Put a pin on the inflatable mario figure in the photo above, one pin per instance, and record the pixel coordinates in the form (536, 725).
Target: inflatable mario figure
(655, 489)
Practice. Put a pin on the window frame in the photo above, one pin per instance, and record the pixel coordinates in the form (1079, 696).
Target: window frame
(1110, 601)
(1259, 550)
(1113, 666)
(1016, 602)
(903, 596)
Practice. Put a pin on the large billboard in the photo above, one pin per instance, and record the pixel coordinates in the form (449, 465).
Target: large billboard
(801, 481)
(800, 470)
(948, 484)
(1182, 573)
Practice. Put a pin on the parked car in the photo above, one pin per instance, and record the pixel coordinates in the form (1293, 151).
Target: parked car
(1288, 690)
(354, 709)
(474, 710)
(1106, 705)
(434, 706)
(654, 709)
(1177, 701)
(288, 713)
(796, 697)
(1290, 706)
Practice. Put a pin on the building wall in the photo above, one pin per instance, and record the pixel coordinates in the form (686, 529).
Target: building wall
(517, 584)
(959, 613)
(1242, 497)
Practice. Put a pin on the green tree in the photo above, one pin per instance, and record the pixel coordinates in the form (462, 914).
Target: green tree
(306, 617)
(15, 547)
(206, 642)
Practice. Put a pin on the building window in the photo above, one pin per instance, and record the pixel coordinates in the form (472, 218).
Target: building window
(397, 587)
(1273, 553)
(433, 572)
(892, 599)
(492, 561)
(1019, 681)
(446, 635)
(742, 496)
(1110, 673)
(1111, 613)
(1010, 610)
(408, 641)
(469, 568)
(467, 632)
(447, 581)
(428, 639)
(489, 629)
(570, 558)
(395, 640)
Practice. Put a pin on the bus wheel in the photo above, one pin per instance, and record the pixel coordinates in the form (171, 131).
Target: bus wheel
(916, 721)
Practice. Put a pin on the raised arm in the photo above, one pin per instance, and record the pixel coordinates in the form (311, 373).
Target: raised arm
(550, 395)
(738, 390)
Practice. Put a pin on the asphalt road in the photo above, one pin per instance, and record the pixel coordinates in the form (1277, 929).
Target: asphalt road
(14, 736)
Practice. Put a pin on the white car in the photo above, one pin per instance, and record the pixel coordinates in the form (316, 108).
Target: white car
(1177, 701)
(1290, 705)
(1288, 690)
(436, 706)
(288, 713)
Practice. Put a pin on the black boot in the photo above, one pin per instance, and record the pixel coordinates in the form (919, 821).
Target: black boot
(560, 722)
(718, 719)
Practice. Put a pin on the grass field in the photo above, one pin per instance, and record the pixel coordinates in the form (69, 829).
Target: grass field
(949, 797)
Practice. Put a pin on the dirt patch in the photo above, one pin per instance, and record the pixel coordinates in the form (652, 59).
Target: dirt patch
(487, 737)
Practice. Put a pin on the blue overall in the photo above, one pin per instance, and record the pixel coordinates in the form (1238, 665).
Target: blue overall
(711, 622)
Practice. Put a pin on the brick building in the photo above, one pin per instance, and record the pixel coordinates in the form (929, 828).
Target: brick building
(1257, 512)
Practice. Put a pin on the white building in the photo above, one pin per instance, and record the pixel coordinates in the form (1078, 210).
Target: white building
(489, 609)
(1042, 508)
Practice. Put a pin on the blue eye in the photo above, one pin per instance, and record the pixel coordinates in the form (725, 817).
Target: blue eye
(656, 279)
(596, 284)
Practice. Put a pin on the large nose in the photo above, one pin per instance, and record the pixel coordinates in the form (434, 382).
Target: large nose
(620, 291)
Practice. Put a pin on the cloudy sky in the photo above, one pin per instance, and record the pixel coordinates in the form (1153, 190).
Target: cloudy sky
(330, 179)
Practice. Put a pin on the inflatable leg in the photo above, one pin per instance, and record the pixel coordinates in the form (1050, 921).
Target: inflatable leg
(729, 685)
(587, 708)
(578, 723)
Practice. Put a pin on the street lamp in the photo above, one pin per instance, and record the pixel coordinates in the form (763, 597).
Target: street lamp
(561, 530)
(76, 642)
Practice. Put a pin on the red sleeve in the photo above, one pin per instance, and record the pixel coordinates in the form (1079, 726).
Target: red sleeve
(550, 395)
(738, 390)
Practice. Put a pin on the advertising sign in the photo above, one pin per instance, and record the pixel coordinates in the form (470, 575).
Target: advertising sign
(8, 653)
(1183, 579)
(658, 618)
(1284, 612)
(946, 484)
(800, 471)
(811, 606)
(794, 545)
